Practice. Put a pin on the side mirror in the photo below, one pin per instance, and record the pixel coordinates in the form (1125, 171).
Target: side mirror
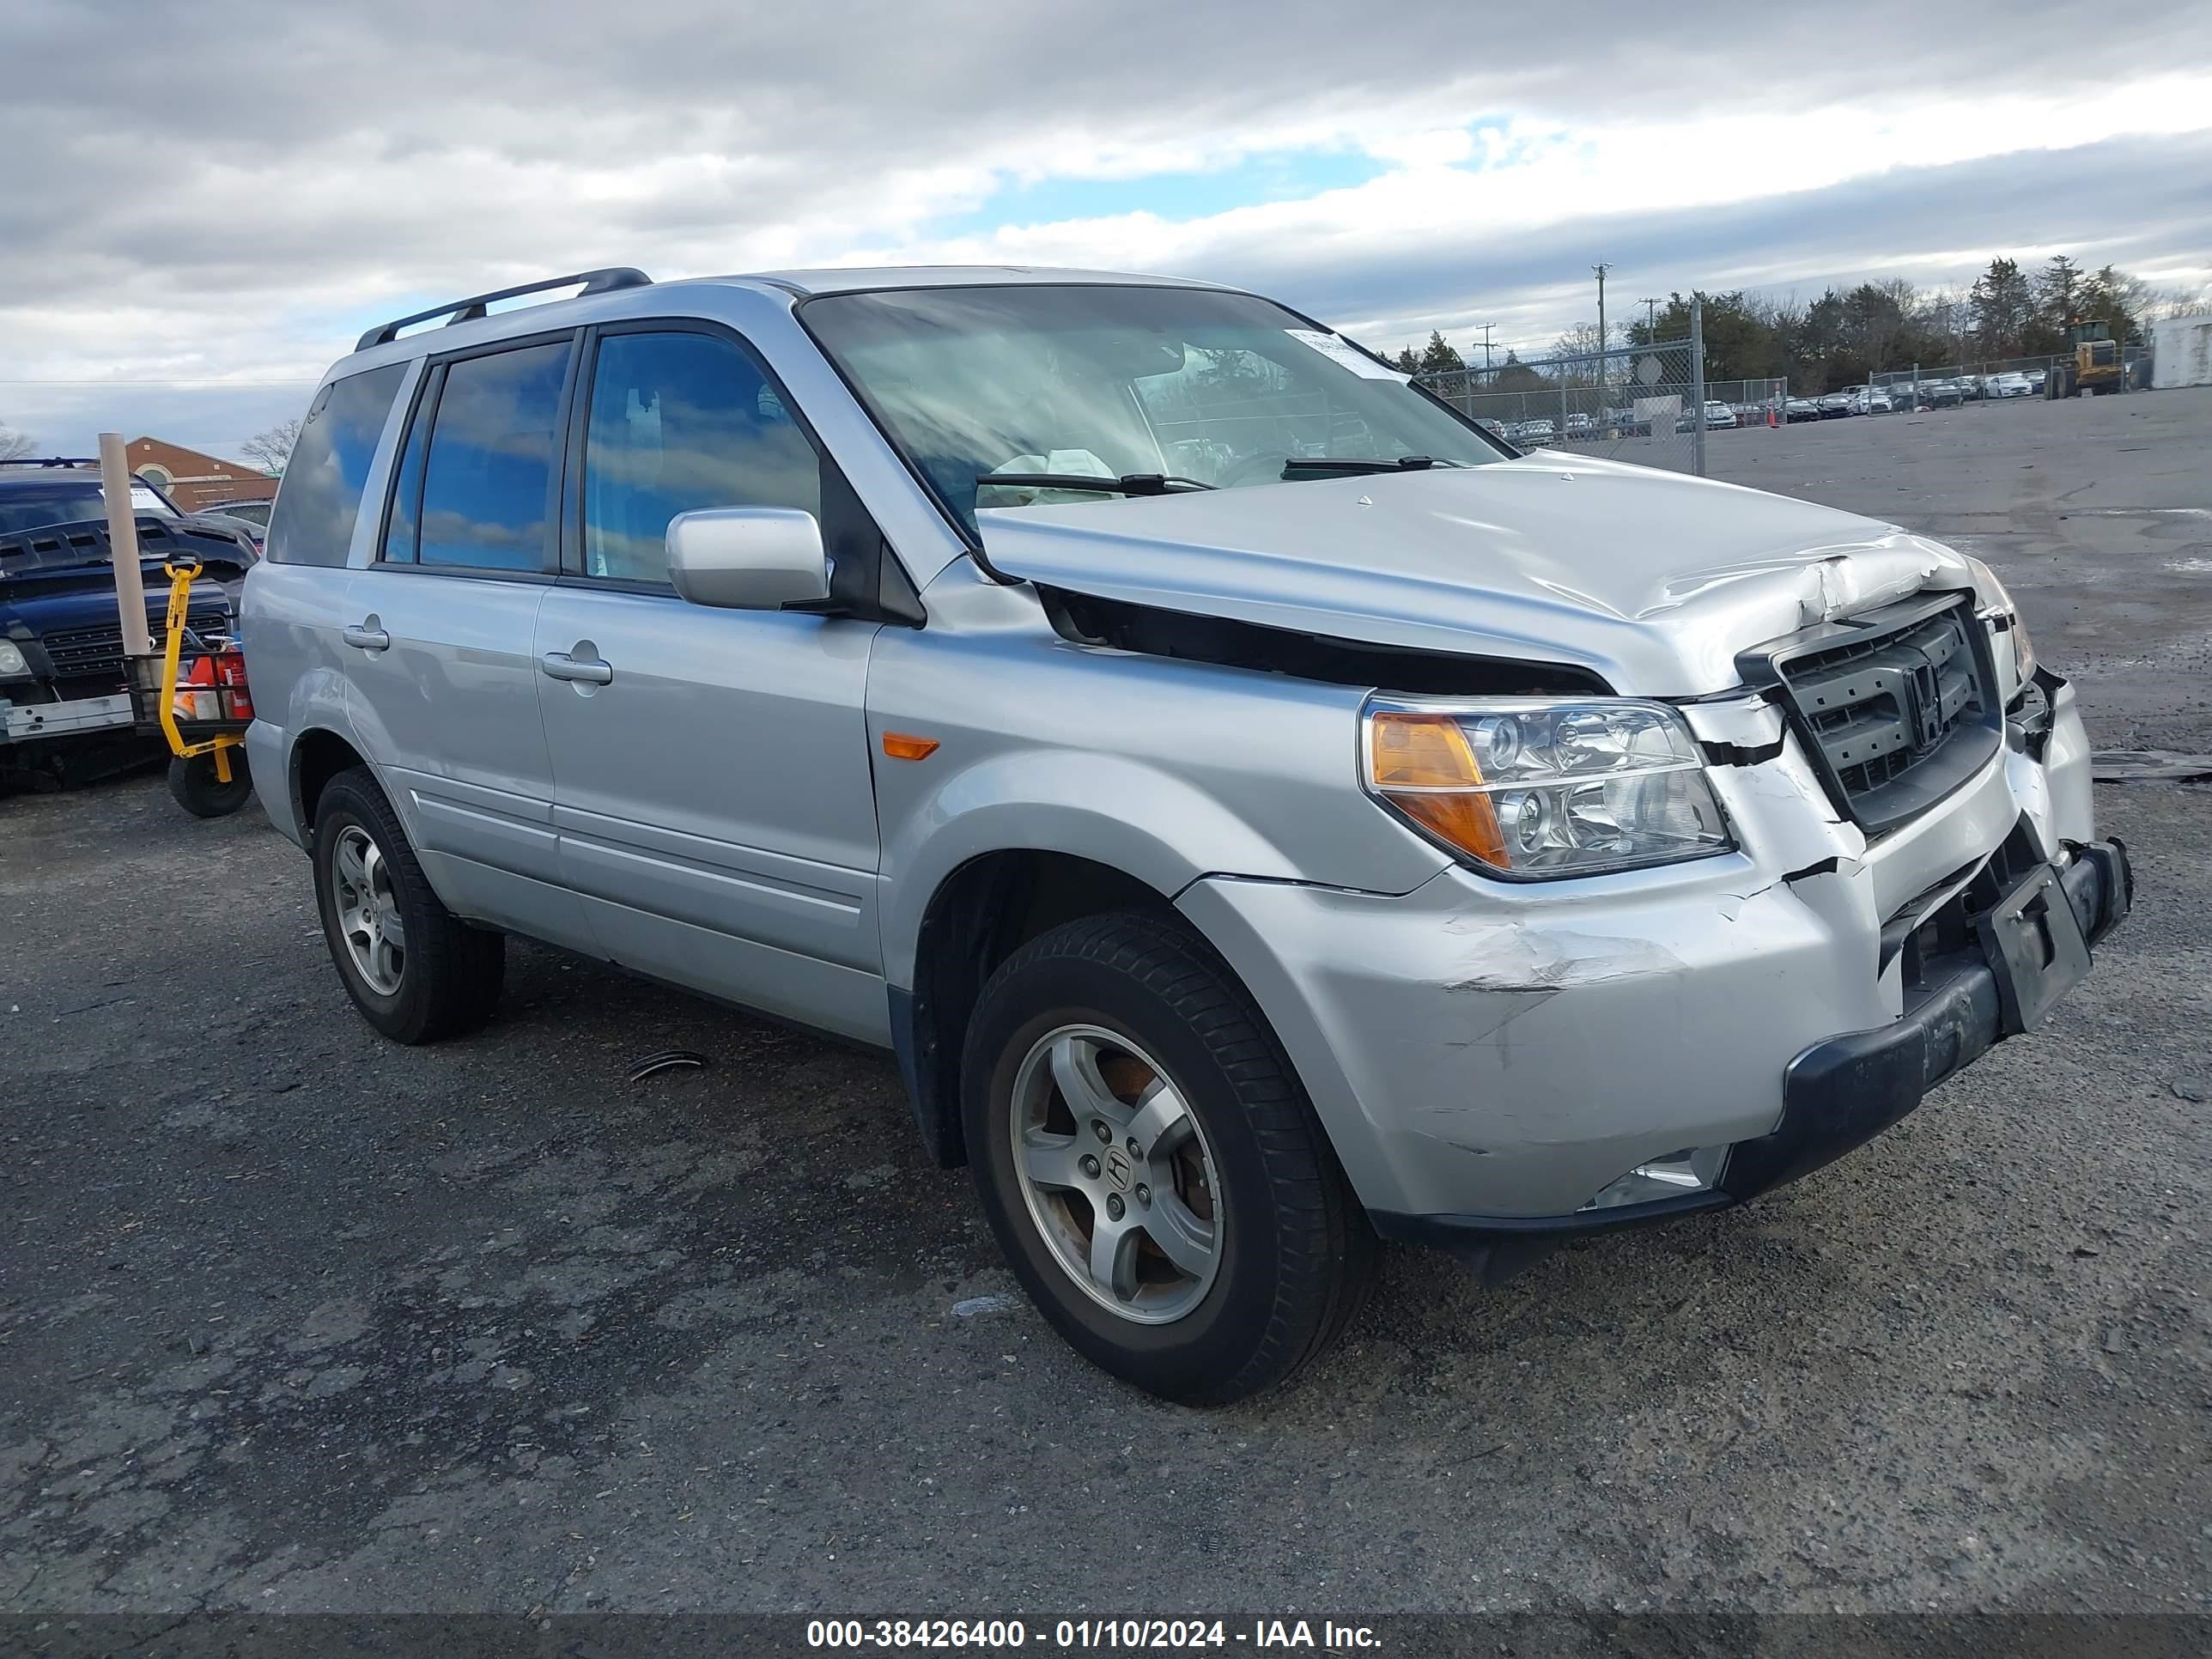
(747, 558)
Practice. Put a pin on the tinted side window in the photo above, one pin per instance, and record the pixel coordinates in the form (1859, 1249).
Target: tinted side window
(313, 520)
(681, 421)
(489, 473)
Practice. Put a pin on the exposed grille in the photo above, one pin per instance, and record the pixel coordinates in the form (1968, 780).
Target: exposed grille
(1899, 706)
(81, 654)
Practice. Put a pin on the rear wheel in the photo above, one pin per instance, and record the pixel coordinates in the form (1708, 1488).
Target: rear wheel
(1151, 1166)
(194, 786)
(416, 972)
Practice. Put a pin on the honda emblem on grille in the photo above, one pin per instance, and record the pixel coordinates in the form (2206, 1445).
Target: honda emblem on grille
(1923, 696)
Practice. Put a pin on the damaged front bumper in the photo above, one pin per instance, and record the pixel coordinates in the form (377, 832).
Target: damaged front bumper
(1989, 964)
(1498, 1065)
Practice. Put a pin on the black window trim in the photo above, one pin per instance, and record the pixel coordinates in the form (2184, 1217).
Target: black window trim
(848, 529)
(429, 392)
(419, 407)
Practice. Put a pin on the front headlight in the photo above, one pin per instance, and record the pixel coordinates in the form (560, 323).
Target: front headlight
(1539, 788)
(12, 665)
(1996, 607)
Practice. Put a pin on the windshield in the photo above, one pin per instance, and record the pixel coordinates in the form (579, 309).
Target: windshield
(66, 501)
(1107, 381)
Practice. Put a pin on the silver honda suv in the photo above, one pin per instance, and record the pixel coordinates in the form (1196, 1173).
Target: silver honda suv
(1262, 811)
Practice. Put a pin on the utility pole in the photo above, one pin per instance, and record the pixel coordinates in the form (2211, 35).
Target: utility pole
(1597, 378)
(1486, 327)
(1698, 383)
(1651, 318)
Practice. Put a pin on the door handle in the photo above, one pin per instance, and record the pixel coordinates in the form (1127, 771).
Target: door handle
(367, 634)
(560, 665)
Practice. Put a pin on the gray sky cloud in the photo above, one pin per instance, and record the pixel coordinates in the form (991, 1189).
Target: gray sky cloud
(169, 215)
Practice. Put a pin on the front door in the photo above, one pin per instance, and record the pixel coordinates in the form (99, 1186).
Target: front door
(441, 666)
(711, 784)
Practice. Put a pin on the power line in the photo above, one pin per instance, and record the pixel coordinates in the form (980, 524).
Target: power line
(242, 385)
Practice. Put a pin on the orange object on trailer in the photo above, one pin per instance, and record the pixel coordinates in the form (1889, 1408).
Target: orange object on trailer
(214, 687)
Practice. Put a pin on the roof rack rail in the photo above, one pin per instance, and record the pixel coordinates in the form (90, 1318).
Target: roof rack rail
(51, 460)
(614, 277)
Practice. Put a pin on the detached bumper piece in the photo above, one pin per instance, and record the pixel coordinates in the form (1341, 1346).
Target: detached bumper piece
(1990, 961)
(1990, 964)
(27, 722)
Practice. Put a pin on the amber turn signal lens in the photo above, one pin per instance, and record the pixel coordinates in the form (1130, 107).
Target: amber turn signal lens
(1421, 751)
(899, 745)
(1423, 765)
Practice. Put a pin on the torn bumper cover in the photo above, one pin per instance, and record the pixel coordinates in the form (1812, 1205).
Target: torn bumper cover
(1983, 967)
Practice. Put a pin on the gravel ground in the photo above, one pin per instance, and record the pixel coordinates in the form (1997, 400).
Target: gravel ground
(292, 1319)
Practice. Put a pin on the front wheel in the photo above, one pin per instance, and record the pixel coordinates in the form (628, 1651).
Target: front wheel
(1151, 1166)
(194, 786)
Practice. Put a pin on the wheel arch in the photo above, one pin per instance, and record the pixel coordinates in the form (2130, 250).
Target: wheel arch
(977, 915)
(319, 754)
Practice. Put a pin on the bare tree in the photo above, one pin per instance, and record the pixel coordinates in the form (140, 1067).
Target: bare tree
(14, 445)
(273, 448)
(2177, 301)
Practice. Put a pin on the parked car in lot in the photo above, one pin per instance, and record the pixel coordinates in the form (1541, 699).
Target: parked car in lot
(1384, 835)
(64, 694)
(1941, 394)
(1580, 426)
(1717, 416)
(1800, 408)
(1836, 405)
(1869, 400)
(2035, 378)
(1535, 432)
(2010, 385)
(251, 516)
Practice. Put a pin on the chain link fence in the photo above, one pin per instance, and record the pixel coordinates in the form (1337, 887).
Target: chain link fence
(1631, 404)
(1938, 385)
(1649, 404)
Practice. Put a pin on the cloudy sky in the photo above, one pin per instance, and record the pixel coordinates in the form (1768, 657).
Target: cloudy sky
(203, 203)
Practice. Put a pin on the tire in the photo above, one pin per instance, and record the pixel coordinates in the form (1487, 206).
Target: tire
(194, 786)
(431, 976)
(1273, 1254)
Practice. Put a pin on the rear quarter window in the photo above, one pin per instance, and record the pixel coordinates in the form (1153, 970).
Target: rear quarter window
(313, 520)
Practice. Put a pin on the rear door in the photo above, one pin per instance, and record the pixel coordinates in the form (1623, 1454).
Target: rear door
(439, 631)
(711, 782)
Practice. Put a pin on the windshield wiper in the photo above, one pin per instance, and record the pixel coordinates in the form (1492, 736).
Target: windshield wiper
(1129, 483)
(1294, 465)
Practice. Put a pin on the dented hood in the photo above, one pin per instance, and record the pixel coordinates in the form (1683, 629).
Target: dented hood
(1650, 580)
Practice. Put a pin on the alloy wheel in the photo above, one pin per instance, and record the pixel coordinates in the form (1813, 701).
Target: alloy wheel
(369, 910)
(1116, 1174)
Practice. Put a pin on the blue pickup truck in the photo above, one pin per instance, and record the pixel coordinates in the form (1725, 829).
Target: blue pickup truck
(64, 694)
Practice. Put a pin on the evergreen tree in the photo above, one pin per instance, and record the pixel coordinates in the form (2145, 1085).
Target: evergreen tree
(1439, 356)
(2059, 291)
(2004, 305)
